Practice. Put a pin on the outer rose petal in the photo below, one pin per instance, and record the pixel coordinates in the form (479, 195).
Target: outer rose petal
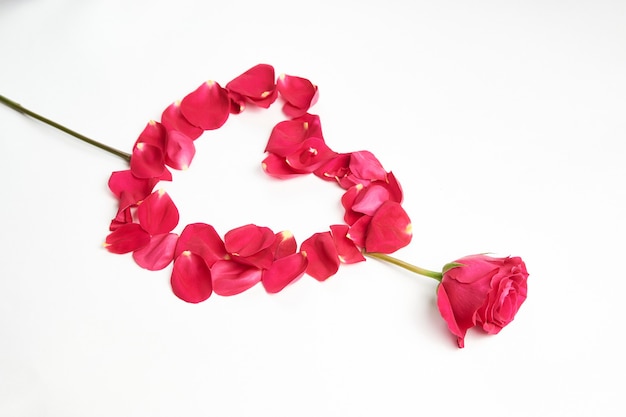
(256, 84)
(230, 278)
(158, 253)
(389, 230)
(346, 248)
(322, 255)
(158, 214)
(126, 238)
(358, 230)
(284, 271)
(203, 240)
(180, 150)
(173, 119)
(191, 278)
(208, 107)
(445, 309)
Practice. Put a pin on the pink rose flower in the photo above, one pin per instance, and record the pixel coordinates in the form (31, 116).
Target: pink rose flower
(480, 290)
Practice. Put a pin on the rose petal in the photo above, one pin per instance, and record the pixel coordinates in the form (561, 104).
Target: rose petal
(445, 309)
(208, 107)
(287, 135)
(346, 248)
(191, 278)
(277, 167)
(284, 244)
(203, 240)
(299, 94)
(136, 189)
(126, 238)
(173, 119)
(358, 230)
(230, 278)
(323, 259)
(180, 150)
(284, 271)
(147, 161)
(370, 199)
(158, 253)
(251, 245)
(158, 214)
(256, 84)
(389, 230)
(364, 165)
(310, 155)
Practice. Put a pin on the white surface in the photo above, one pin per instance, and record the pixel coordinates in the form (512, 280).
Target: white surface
(503, 120)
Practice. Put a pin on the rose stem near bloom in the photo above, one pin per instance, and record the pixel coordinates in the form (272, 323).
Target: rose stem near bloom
(18, 107)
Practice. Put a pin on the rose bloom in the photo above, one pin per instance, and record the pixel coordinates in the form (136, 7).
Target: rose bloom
(480, 290)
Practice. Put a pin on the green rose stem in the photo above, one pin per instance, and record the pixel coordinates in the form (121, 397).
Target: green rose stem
(17, 107)
(425, 272)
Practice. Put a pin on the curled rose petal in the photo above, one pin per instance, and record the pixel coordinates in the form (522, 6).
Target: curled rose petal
(191, 278)
(173, 119)
(126, 238)
(158, 253)
(180, 150)
(358, 230)
(256, 85)
(158, 214)
(208, 107)
(230, 278)
(389, 230)
(284, 271)
(322, 256)
(203, 240)
(299, 94)
(310, 155)
(346, 248)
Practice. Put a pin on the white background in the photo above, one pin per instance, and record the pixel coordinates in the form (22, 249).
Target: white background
(504, 121)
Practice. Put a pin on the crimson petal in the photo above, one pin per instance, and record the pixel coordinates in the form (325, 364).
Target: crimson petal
(299, 94)
(364, 165)
(191, 278)
(284, 244)
(389, 230)
(284, 271)
(310, 155)
(126, 238)
(277, 167)
(256, 84)
(370, 199)
(230, 278)
(158, 214)
(286, 136)
(147, 161)
(346, 248)
(136, 189)
(322, 256)
(180, 150)
(208, 107)
(158, 253)
(203, 240)
(173, 119)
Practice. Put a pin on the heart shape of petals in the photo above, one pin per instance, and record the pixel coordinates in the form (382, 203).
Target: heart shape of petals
(205, 261)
